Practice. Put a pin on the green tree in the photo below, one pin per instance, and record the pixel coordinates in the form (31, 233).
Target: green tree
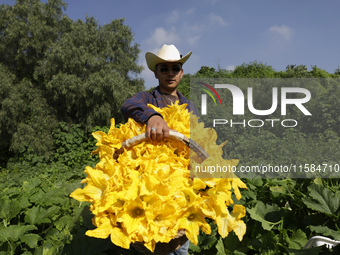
(54, 69)
(254, 70)
(184, 85)
(319, 73)
(337, 72)
(294, 71)
(210, 72)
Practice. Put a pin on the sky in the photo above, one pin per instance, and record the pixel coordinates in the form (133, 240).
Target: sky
(226, 33)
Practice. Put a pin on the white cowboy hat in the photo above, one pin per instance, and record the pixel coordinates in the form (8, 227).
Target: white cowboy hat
(168, 53)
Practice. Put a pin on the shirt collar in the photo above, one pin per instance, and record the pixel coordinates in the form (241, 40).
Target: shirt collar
(179, 94)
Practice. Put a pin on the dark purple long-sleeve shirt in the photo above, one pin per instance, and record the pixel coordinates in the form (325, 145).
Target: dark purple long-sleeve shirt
(137, 109)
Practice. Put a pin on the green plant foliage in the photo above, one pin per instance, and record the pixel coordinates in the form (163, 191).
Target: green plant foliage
(322, 200)
(277, 223)
(184, 86)
(54, 69)
(268, 215)
(72, 144)
(294, 71)
(36, 211)
(253, 70)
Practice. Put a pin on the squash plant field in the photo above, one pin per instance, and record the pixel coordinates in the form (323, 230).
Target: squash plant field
(37, 216)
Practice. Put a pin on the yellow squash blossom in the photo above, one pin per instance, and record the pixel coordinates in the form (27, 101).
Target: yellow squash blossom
(145, 193)
(192, 220)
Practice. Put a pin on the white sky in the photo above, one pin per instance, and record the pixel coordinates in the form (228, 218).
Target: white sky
(227, 32)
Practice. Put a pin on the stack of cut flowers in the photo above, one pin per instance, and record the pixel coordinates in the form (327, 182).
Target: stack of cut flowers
(147, 195)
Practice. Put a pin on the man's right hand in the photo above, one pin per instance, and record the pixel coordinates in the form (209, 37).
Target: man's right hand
(157, 129)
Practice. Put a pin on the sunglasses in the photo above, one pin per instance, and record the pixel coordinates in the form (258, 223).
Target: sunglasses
(165, 70)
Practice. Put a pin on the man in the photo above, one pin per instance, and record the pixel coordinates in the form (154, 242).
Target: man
(167, 67)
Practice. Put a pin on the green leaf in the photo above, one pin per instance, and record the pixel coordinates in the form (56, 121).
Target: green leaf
(30, 187)
(38, 215)
(38, 197)
(322, 199)
(46, 249)
(63, 222)
(14, 232)
(298, 240)
(232, 243)
(326, 231)
(9, 208)
(254, 182)
(23, 201)
(54, 196)
(12, 191)
(194, 248)
(268, 215)
(239, 253)
(206, 242)
(269, 243)
(26, 253)
(279, 189)
(220, 247)
(31, 240)
(248, 194)
(51, 196)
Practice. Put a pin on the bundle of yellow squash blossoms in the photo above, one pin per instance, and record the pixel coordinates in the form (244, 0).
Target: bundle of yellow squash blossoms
(147, 195)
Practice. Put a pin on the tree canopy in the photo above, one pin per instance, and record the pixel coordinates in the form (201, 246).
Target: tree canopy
(255, 70)
(54, 69)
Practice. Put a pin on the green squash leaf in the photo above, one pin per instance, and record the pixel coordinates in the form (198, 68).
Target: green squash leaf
(322, 199)
(38, 215)
(31, 240)
(298, 240)
(325, 231)
(63, 222)
(220, 247)
(9, 208)
(268, 215)
(14, 232)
